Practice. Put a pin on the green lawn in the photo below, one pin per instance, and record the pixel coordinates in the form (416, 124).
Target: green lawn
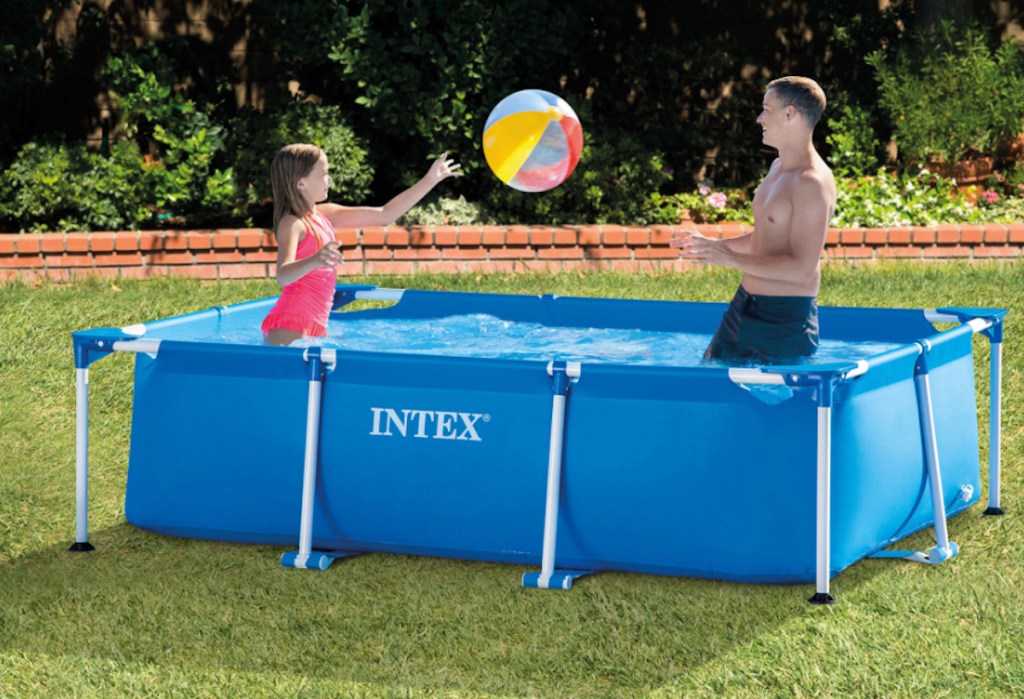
(152, 616)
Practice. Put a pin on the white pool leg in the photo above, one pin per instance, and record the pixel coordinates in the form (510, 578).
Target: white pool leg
(995, 413)
(81, 461)
(305, 557)
(931, 452)
(823, 508)
(548, 577)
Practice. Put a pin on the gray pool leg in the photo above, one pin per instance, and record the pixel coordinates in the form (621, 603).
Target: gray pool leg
(81, 461)
(824, 502)
(320, 361)
(944, 548)
(995, 428)
(563, 374)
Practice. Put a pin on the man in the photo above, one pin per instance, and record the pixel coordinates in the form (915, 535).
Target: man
(774, 315)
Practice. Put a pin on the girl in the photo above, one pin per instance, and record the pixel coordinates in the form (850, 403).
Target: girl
(307, 252)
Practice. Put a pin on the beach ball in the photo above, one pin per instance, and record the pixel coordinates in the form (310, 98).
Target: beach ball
(532, 140)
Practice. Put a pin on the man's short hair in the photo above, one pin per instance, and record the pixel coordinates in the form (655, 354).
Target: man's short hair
(803, 93)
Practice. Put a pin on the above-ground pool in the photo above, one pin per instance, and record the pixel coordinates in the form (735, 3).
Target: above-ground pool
(599, 456)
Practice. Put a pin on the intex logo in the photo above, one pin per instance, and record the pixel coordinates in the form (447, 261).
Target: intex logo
(427, 424)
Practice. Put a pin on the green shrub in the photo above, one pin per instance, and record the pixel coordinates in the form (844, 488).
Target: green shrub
(610, 185)
(52, 186)
(909, 199)
(445, 211)
(182, 142)
(256, 136)
(948, 95)
(853, 142)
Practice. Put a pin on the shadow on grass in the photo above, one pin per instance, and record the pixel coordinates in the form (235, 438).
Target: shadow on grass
(423, 623)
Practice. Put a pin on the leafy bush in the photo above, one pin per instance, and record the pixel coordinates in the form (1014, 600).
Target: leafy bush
(52, 186)
(445, 211)
(853, 142)
(182, 143)
(909, 199)
(609, 186)
(256, 136)
(948, 95)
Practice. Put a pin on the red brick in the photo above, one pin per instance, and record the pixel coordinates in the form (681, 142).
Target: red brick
(29, 243)
(150, 241)
(195, 272)
(77, 242)
(495, 266)
(854, 252)
(899, 251)
(947, 234)
(126, 241)
(219, 257)
(637, 236)
(66, 260)
(851, 236)
(971, 234)
(375, 237)
(493, 237)
(421, 236)
(1016, 232)
(656, 253)
(613, 235)
(8, 275)
(464, 254)
(899, 236)
(416, 254)
(198, 241)
(25, 262)
(517, 235)
(512, 253)
(876, 236)
(661, 235)
(447, 236)
(923, 236)
(470, 237)
(997, 251)
(101, 242)
(115, 259)
(588, 235)
(833, 234)
(8, 244)
(563, 253)
(397, 238)
(347, 237)
(953, 251)
(262, 256)
(606, 253)
(541, 236)
(996, 233)
(225, 239)
(376, 254)
(170, 258)
(249, 238)
(52, 242)
(175, 240)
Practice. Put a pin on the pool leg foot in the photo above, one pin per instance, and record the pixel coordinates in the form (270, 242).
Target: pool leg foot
(556, 580)
(822, 598)
(317, 560)
(81, 547)
(992, 511)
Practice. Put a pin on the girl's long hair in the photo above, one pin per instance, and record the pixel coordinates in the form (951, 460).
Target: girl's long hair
(291, 164)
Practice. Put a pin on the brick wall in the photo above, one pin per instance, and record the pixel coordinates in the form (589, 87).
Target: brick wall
(251, 253)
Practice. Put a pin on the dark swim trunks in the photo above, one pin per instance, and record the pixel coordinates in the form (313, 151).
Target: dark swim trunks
(766, 329)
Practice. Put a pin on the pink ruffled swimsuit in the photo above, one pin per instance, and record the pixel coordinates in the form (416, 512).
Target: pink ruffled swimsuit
(305, 305)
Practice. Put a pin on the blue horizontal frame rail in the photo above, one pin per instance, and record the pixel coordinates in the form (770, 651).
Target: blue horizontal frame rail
(823, 382)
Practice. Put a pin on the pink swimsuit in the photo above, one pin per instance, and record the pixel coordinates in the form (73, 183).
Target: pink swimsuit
(305, 304)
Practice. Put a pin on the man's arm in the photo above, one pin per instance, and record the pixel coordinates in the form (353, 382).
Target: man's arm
(812, 209)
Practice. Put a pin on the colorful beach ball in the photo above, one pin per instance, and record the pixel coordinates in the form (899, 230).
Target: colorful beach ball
(532, 140)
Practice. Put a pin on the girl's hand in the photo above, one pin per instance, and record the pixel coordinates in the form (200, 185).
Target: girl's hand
(443, 168)
(329, 255)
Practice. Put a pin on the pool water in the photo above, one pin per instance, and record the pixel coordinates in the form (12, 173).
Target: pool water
(486, 336)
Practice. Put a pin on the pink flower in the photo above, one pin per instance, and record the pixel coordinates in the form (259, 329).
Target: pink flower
(717, 200)
(990, 196)
(704, 191)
